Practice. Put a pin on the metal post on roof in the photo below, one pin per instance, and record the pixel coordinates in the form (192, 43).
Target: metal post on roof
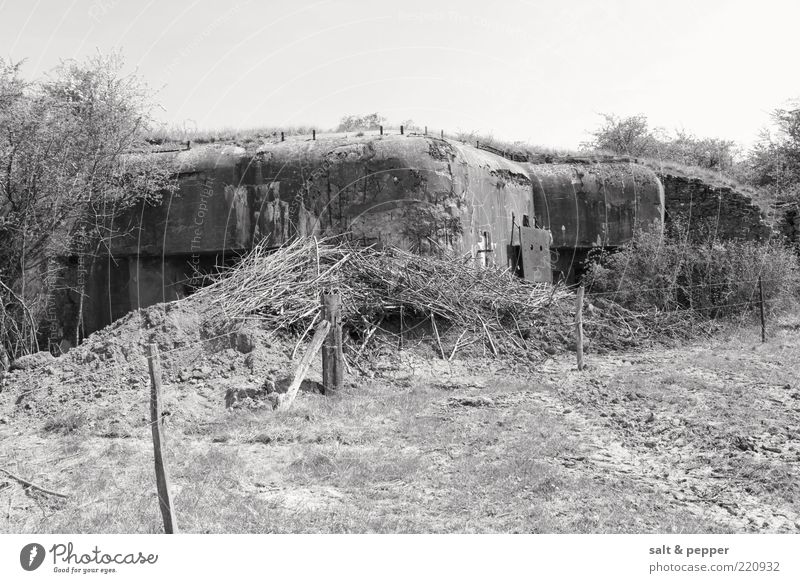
(381, 127)
(313, 134)
(401, 130)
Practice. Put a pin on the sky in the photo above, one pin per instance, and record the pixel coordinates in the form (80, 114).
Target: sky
(537, 71)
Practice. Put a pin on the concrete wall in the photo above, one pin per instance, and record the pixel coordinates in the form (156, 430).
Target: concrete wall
(588, 204)
(412, 192)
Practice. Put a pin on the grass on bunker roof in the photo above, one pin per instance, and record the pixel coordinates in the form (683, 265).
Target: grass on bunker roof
(251, 135)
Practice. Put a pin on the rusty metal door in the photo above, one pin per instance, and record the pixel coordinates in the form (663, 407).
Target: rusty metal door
(535, 249)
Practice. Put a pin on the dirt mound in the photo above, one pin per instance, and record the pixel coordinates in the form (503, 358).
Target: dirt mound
(103, 385)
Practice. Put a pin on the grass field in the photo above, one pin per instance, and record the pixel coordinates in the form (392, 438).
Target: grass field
(701, 438)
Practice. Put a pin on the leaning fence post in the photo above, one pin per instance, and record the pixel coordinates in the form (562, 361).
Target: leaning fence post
(761, 307)
(156, 424)
(316, 342)
(579, 327)
(332, 359)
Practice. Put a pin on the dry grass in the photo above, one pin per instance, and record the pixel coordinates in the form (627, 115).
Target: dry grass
(552, 450)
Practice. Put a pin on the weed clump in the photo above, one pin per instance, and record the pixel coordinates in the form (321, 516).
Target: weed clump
(65, 423)
(712, 278)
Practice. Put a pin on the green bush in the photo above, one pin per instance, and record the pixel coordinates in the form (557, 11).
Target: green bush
(715, 278)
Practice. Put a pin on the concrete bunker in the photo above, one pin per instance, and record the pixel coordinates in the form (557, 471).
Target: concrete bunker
(420, 193)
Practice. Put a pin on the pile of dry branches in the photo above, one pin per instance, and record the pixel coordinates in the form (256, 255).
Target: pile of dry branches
(282, 287)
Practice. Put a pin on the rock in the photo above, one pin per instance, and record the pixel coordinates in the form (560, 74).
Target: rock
(201, 373)
(650, 418)
(744, 443)
(32, 361)
(246, 397)
(244, 342)
(307, 386)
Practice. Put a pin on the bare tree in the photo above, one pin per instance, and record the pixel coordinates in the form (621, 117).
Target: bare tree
(72, 158)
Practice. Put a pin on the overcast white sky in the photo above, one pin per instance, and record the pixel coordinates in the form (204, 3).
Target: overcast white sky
(538, 71)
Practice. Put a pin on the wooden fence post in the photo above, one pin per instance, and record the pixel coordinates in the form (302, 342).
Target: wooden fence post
(156, 424)
(579, 327)
(761, 306)
(402, 329)
(332, 361)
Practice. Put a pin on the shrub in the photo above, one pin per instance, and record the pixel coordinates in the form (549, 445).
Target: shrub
(632, 136)
(715, 279)
(351, 123)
